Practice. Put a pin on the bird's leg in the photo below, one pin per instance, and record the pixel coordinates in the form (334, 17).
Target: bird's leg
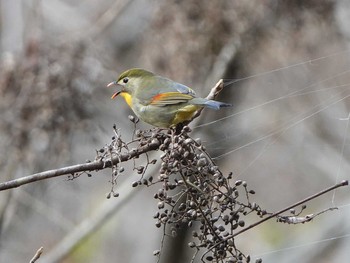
(178, 128)
(173, 132)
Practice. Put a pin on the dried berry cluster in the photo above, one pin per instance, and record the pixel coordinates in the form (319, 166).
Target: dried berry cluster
(193, 192)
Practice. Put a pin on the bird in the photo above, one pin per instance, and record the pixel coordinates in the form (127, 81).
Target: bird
(160, 101)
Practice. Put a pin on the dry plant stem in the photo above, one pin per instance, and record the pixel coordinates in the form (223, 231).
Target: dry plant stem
(200, 209)
(342, 183)
(85, 167)
(37, 255)
(211, 96)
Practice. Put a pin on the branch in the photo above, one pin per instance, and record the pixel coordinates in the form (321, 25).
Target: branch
(342, 183)
(37, 255)
(211, 96)
(85, 167)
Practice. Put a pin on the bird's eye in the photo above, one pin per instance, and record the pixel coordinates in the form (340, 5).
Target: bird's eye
(125, 80)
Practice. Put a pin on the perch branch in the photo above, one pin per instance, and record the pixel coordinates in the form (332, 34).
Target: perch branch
(37, 255)
(342, 183)
(211, 96)
(85, 167)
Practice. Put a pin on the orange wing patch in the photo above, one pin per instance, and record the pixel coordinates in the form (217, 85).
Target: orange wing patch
(158, 97)
(167, 98)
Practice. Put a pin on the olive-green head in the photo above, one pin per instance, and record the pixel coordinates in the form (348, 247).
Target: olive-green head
(130, 80)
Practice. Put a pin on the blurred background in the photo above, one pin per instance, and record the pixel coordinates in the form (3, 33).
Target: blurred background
(288, 68)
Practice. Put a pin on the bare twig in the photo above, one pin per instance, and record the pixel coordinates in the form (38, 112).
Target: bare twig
(342, 183)
(37, 255)
(212, 95)
(85, 167)
(216, 90)
(302, 219)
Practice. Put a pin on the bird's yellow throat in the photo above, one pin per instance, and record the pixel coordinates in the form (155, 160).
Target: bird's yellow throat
(127, 98)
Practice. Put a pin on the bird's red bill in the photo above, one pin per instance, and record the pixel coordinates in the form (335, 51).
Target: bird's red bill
(111, 84)
(115, 94)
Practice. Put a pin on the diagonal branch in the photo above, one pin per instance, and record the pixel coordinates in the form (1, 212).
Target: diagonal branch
(211, 96)
(342, 183)
(37, 255)
(85, 167)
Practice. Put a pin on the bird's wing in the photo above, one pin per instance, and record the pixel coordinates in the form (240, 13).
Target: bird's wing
(158, 95)
(170, 98)
(183, 89)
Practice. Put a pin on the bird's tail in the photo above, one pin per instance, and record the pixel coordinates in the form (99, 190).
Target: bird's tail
(212, 104)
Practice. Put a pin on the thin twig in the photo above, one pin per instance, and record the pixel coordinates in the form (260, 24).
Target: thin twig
(302, 219)
(85, 167)
(37, 255)
(342, 183)
(212, 95)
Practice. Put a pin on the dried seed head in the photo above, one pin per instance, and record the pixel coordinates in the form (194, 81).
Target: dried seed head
(138, 133)
(202, 162)
(186, 154)
(221, 228)
(158, 224)
(186, 129)
(182, 207)
(238, 182)
(133, 119)
(191, 244)
(241, 223)
(154, 143)
(209, 258)
(156, 215)
(211, 199)
(167, 141)
(187, 141)
(140, 169)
